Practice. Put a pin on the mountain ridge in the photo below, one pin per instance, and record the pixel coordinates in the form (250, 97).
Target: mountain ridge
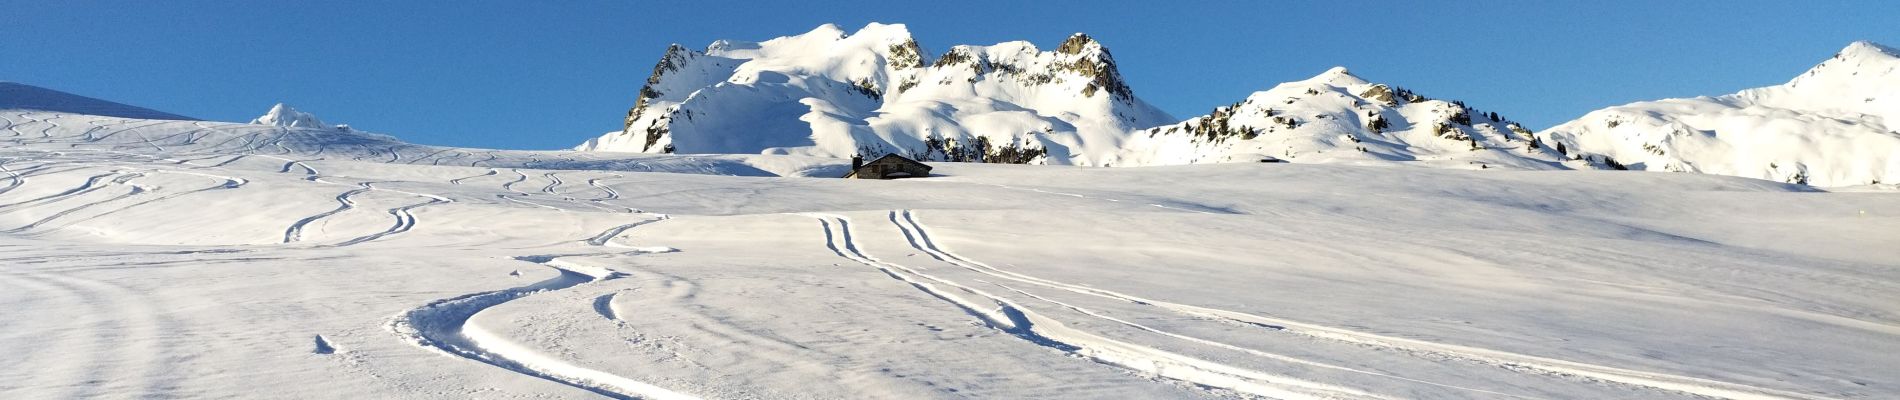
(1829, 126)
(827, 93)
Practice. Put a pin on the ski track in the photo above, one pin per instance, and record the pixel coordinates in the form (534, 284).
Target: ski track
(605, 238)
(91, 184)
(1512, 361)
(604, 305)
(405, 220)
(228, 183)
(553, 182)
(444, 326)
(610, 192)
(295, 231)
(528, 203)
(510, 185)
(135, 191)
(14, 180)
(120, 319)
(1006, 316)
(491, 172)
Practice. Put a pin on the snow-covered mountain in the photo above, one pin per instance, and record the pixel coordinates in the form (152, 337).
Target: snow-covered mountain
(1338, 117)
(828, 93)
(18, 96)
(1831, 126)
(284, 115)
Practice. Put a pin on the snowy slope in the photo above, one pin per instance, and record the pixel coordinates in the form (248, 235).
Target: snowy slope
(190, 259)
(1338, 117)
(17, 96)
(1831, 126)
(285, 116)
(828, 93)
(291, 137)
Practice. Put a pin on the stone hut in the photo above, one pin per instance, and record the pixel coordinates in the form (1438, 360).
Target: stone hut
(890, 166)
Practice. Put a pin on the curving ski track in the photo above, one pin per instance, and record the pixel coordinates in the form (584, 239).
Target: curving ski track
(405, 220)
(443, 326)
(295, 231)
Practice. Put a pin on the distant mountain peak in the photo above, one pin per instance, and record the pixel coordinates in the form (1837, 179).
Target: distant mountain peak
(1338, 117)
(827, 30)
(1864, 48)
(285, 116)
(1336, 76)
(1829, 126)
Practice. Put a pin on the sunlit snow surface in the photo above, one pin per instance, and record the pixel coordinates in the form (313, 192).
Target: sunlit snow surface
(190, 259)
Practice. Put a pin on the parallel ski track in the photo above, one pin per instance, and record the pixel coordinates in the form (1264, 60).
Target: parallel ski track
(1009, 317)
(1513, 361)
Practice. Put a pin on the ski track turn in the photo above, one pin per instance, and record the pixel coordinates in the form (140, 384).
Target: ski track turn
(443, 326)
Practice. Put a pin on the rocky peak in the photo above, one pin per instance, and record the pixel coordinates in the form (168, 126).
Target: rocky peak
(1076, 43)
(1083, 55)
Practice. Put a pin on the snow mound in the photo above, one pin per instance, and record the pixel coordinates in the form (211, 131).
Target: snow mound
(1827, 127)
(285, 116)
(17, 96)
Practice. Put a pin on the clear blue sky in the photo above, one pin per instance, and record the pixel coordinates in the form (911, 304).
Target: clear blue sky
(549, 75)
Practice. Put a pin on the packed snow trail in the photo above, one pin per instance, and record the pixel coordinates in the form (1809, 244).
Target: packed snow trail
(1005, 315)
(443, 326)
(1697, 386)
